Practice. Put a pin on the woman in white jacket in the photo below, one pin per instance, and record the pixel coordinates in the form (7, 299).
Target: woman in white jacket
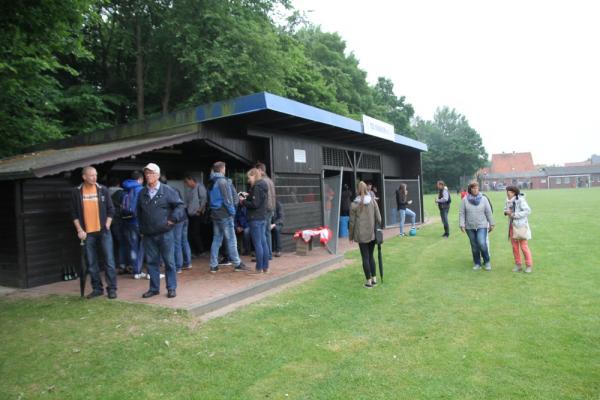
(517, 210)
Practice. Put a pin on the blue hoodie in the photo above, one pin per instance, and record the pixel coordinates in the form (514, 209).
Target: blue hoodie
(128, 185)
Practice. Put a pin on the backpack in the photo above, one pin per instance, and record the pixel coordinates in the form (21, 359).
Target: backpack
(129, 204)
(117, 199)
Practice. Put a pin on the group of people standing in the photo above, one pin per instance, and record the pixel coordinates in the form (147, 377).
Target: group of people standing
(151, 224)
(476, 219)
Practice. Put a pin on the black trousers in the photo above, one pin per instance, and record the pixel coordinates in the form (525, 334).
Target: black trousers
(368, 261)
(195, 234)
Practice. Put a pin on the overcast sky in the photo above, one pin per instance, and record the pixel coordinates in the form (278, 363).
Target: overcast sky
(526, 74)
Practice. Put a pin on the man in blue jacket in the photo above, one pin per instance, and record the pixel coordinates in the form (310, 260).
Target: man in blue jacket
(159, 208)
(133, 187)
(222, 211)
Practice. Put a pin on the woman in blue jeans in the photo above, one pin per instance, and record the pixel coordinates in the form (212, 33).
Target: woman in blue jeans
(476, 219)
(401, 203)
(256, 204)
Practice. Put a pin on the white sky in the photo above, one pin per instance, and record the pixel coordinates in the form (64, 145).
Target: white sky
(526, 74)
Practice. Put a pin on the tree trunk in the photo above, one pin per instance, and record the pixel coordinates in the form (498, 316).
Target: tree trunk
(167, 93)
(139, 64)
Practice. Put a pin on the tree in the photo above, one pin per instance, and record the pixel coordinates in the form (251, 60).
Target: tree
(37, 38)
(455, 149)
(392, 109)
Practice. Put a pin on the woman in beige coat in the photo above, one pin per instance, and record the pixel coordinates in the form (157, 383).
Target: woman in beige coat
(364, 214)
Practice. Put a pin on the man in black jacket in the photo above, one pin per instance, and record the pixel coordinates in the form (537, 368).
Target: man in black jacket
(92, 211)
(159, 208)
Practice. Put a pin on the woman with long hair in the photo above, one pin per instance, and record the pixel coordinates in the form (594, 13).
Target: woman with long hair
(256, 205)
(364, 215)
(401, 204)
(476, 220)
(518, 211)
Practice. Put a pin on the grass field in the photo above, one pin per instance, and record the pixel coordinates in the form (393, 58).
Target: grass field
(434, 329)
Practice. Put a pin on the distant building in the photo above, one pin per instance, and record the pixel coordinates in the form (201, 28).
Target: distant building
(518, 169)
(572, 177)
(512, 169)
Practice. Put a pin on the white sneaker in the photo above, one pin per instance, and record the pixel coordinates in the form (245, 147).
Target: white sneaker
(476, 267)
(517, 268)
(139, 276)
(528, 270)
(488, 267)
(161, 276)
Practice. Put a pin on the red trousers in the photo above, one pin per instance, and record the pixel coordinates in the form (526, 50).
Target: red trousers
(522, 244)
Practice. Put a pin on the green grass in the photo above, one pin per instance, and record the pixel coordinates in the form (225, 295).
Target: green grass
(434, 329)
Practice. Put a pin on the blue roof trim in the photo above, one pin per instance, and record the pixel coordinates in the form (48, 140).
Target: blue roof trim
(301, 110)
(226, 108)
(267, 101)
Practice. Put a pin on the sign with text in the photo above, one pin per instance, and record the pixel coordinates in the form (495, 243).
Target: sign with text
(375, 127)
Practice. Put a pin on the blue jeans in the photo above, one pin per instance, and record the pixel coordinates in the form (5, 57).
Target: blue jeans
(479, 246)
(136, 249)
(159, 247)
(103, 237)
(120, 242)
(224, 229)
(247, 246)
(259, 239)
(403, 214)
(444, 215)
(181, 246)
(268, 238)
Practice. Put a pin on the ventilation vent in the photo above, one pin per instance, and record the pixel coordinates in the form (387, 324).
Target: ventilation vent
(335, 158)
(369, 161)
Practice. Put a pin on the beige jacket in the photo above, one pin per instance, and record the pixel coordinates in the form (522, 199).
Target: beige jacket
(363, 218)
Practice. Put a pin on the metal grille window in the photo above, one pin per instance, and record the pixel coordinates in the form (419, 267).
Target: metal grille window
(335, 157)
(369, 161)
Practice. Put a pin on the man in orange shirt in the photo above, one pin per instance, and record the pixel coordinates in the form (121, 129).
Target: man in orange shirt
(92, 211)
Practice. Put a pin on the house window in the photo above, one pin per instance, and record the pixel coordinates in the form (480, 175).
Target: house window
(567, 180)
(543, 181)
(558, 181)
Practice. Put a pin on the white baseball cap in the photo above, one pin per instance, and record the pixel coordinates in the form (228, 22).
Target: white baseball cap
(153, 167)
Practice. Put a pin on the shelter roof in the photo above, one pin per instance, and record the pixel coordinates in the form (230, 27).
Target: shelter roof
(54, 161)
(258, 109)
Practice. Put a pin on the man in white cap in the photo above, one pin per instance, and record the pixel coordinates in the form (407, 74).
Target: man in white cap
(159, 208)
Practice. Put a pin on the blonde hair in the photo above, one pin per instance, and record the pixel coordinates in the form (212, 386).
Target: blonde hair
(362, 190)
(255, 173)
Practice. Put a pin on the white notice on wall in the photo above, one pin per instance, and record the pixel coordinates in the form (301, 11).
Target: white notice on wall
(300, 156)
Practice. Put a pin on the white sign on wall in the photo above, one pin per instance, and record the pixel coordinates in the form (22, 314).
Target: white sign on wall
(300, 156)
(375, 127)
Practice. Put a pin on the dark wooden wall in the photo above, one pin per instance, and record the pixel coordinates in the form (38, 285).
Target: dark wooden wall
(50, 239)
(9, 266)
(283, 160)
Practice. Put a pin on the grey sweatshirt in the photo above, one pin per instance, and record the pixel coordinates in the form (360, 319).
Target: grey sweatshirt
(475, 217)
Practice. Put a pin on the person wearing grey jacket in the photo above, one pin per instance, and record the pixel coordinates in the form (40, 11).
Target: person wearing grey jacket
(195, 197)
(476, 219)
(364, 215)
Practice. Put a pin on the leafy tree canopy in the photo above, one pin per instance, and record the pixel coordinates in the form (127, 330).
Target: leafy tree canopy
(455, 149)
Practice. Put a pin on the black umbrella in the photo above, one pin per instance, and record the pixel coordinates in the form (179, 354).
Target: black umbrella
(82, 269)
(379, 240)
